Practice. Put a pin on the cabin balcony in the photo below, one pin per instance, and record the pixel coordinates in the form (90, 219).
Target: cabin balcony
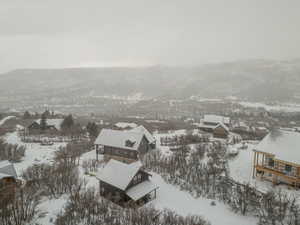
(275, 170)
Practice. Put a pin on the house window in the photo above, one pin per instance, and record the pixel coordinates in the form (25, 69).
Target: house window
(288, 168)
(271, 162)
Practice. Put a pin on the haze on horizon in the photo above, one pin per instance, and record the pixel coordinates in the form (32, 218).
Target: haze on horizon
(75, 33)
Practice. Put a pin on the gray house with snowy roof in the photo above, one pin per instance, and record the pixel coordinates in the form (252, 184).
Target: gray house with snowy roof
(8, 175)
(127, 185)
(53, 125)
(125, 146)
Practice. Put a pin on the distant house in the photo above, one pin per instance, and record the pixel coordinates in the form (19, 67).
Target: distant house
(148, 135)
(8, 175)
(128, 185)
(210, 122)
(52, 125)
(125, 125)
(124, 146)
(221, 131)
(277, 158)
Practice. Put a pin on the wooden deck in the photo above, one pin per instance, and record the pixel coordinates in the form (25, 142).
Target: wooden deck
(277, 173)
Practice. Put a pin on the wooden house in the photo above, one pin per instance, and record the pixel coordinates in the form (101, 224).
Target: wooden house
(53, 125)
(221, 131)
(277, 158)
(124, 146)
(127, 185)
(210, 122)
(8, 175)
(148, 135)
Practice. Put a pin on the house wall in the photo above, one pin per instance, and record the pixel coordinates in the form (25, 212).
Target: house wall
(140, 177)
(210, 124)
(220, 132)
(144, 146)
(121, 152)
(112, 193)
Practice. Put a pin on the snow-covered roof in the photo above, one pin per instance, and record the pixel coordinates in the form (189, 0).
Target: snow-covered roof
(142, 129)
(119, 174)
(222, 125)
(216, 119)
(7, 169)
(52, 122)
(285, 145)
(141, 190)
(117, 138)
(125, 125)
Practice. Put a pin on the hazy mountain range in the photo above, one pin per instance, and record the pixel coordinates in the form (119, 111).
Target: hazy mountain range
(255, 80)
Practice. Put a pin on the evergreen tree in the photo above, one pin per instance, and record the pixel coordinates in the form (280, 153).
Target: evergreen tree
(92, 129)
(47, 113)
(26, 115)
(43, 123)
(67, 123)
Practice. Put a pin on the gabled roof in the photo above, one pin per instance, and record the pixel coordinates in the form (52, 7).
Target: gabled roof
(119, 174)
(52, 122)
(285, 145)
(7, 169)
(222, 125)
(117, 138)
(216, 119)
(142, 129)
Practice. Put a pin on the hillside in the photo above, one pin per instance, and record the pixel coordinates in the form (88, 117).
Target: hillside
(256, 80)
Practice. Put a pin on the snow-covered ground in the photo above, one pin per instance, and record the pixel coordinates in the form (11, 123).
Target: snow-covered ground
(6, 119)
(35, 153)
(278, 107)
(51, 208)
(169, 196)
(241, 168)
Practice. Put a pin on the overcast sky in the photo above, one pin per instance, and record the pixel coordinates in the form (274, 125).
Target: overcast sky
(72, 33)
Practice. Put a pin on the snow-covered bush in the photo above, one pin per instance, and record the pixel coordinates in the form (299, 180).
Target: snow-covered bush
(11, 152)
(88, 208)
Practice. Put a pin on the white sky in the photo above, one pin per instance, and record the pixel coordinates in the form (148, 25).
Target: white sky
(64, 33)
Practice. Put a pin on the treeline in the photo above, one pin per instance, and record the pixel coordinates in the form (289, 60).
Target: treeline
(209, 178)
(11, 152)
(88, 208)
(187, 139)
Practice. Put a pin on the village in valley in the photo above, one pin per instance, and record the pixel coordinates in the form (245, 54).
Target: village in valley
(239, 163)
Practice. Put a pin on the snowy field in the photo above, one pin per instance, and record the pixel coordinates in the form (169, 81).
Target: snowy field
(168, 196)
(278, 107)
(35, 153)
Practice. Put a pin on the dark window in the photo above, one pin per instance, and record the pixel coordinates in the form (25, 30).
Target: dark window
(288, 168)
(129, 143)
(271, 162)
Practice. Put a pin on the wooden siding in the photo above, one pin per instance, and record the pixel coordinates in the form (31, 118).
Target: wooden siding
(220, 132)
(276, 171)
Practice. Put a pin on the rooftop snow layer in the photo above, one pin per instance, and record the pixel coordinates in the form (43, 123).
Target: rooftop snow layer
(7, 169)
(52, 122)
(142, 129)
(141, 190)
(285, 145)
(119, 174)
(125, 125)
(216, 119)
(117, 138)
